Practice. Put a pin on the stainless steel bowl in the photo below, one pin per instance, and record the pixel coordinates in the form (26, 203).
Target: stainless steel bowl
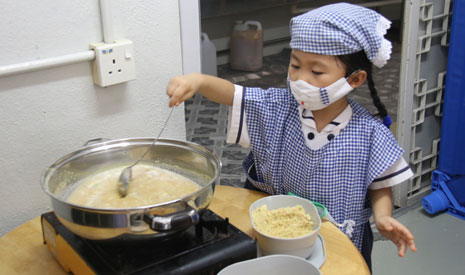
(188, 159)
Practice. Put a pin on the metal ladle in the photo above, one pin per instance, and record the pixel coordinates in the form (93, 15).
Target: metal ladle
(126, 175)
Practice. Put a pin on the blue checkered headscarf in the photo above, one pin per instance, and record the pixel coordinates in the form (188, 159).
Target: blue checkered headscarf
(340, 29)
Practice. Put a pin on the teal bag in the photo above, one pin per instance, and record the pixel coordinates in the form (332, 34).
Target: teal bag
(322, 211)
(325, 215)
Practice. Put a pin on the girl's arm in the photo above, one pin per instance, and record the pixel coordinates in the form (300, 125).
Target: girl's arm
(381, 202)
(184, 87)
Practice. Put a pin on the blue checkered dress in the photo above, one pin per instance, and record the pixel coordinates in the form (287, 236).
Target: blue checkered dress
(336, 175)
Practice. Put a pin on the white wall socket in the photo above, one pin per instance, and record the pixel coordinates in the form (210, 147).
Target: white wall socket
(114, 62)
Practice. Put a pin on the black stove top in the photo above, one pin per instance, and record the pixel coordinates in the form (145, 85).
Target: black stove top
(205, 248)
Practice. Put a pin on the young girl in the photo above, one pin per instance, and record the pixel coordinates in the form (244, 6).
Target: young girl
(310, 139)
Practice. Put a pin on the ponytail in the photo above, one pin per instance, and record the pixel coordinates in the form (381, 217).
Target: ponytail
(358, 61)
(382, 112)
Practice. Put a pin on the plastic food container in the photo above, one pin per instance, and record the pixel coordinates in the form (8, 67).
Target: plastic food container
(246, 46)
(271, 265)
(300, 246)
(208, 56)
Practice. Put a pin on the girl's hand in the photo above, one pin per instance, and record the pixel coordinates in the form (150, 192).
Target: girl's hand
(397, 233)
(182, 88)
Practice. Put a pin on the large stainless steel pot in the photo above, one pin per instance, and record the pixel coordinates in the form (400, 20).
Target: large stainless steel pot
(188, 159)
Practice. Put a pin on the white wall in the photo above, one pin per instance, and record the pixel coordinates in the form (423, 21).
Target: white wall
(47, 114)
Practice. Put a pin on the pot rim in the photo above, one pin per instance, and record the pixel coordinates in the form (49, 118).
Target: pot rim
(112, 143)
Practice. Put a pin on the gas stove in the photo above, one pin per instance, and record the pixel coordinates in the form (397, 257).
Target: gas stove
(205, 248)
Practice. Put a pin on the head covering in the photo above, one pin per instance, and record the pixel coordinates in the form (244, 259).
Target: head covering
(340, 29)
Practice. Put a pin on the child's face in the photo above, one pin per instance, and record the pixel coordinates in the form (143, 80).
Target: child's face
(316, 69)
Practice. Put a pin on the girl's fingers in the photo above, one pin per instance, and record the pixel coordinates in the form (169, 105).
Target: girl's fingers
(402, 247)
(405, 241)
(172, 85)
(399, 235)
(412, 246)
(404, 230)
(410, 243)
(175, 96)
(181, 88)
(407, 236)
(172, 102)
(181, 94)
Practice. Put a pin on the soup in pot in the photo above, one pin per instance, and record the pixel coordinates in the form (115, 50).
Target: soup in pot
(149, 185)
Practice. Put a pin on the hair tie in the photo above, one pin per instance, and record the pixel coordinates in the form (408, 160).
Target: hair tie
(387, 121)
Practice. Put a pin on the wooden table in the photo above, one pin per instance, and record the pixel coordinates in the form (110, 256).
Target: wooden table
(22, 250)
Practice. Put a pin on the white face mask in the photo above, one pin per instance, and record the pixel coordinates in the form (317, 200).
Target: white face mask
(315, 98)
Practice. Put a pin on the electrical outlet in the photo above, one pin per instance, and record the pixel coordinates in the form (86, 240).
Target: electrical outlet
(114, 62)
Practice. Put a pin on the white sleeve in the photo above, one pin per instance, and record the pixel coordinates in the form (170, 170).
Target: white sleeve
(237, 128)
(397, 173)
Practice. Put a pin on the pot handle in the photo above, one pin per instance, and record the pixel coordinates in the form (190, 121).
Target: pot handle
(175, 221)
(95, 141)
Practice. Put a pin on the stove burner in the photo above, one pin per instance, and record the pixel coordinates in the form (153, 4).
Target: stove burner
(205, 248)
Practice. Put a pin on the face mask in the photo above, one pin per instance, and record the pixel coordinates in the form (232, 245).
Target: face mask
(315, 98)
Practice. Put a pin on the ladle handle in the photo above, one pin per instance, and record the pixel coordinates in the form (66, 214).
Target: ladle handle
(173, 222)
